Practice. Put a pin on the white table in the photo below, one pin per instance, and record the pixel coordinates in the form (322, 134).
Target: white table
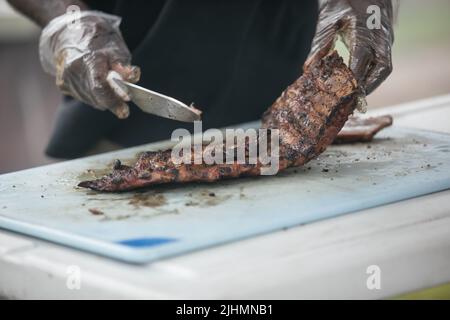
(409, 241)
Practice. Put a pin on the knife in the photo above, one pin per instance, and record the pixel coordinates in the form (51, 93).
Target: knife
(155, 103)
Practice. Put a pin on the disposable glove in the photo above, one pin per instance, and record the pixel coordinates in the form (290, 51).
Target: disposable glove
(81, 51)
(369, 43)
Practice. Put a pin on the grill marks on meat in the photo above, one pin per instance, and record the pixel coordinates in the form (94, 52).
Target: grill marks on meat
(309, 115)
(156, 167)
(311, 111)
(362, 129)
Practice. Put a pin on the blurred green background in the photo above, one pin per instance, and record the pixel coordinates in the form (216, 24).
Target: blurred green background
(421, 54)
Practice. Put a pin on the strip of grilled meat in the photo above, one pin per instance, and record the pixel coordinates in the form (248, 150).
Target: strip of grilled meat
(362, 129)
(309, 115)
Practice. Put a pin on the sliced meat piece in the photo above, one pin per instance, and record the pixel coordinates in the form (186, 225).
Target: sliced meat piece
(358, 129)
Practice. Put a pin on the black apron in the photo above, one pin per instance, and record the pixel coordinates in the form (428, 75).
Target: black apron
(231, 58)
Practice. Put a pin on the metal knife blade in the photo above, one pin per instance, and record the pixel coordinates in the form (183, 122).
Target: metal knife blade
(159, 104)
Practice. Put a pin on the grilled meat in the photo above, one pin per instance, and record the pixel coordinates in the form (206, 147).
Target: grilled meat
(309, 115)
(362, 129)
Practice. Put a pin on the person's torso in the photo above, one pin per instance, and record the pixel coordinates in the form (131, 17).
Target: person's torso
(231, 58)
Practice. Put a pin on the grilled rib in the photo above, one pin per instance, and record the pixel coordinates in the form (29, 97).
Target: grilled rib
(309, 115)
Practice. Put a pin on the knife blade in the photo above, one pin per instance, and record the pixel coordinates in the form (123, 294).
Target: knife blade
(158, 104)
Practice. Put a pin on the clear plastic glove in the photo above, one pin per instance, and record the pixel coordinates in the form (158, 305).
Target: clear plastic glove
(81, 53)
(370, 49)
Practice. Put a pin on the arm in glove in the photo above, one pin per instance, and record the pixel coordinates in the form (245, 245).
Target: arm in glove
(80, 51)
(369, 43)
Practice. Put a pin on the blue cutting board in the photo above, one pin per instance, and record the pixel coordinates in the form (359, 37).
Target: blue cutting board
(163, 221)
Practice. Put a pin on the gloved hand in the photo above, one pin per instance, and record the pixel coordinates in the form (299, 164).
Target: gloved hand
(82, 52)
(370, 49)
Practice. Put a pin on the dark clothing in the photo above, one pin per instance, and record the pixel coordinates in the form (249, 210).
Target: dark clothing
(231, 58)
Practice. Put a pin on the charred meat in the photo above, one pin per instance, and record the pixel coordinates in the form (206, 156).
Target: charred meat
(309, 115)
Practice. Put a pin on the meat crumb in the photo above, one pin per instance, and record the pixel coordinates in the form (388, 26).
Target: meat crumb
(96, 212)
